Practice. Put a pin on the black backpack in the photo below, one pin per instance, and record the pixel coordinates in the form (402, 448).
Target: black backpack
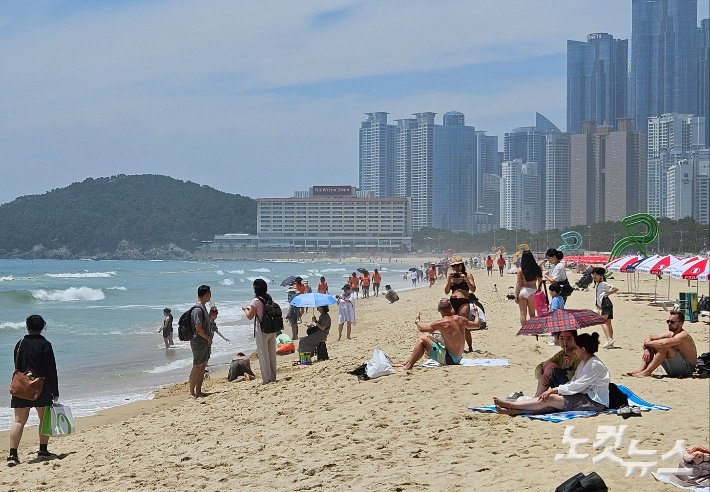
(617, 398)
(272, 321)
(185, 328)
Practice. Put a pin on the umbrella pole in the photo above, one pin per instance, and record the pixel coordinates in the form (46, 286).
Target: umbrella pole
(669, 288)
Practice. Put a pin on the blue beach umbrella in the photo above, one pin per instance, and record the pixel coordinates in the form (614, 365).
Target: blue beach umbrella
(313, 300)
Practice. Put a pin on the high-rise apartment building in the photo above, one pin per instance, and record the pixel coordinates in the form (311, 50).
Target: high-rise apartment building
(607, 173)
(491, 197)
(679, 179)
(422, 170)
(596, 81)
(520, 196)
(664, 59)
(671, 138)
(404, 156)
(378, 164)
(454, 200)
(701, 189)
(486, 163)
(558, 193)
(704, 75)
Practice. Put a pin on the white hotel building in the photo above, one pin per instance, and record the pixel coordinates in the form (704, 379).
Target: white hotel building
(334, 218)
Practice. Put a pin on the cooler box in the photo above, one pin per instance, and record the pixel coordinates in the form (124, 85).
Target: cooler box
(689, 305)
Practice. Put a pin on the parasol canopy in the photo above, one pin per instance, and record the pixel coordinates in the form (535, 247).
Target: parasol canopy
(290, 280)
(561, 320)
(693, 272)
(313, 299)
(363, 271)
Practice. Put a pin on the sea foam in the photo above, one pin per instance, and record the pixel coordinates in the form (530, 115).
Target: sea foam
(82, 275)
(70, 294)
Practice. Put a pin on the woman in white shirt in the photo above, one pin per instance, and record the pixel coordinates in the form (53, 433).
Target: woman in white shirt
(588, 389)
(558, 272)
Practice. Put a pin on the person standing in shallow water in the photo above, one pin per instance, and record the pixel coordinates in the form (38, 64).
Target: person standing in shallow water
(167, 328)
(34, 353)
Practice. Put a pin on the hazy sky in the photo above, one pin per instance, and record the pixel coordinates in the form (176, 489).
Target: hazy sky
(266, 97)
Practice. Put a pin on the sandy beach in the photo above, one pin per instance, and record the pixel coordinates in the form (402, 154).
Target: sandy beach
(319, 428)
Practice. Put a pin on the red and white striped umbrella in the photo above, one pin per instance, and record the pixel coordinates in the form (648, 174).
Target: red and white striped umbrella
(618, 266)
(677, 270)
(657, 266)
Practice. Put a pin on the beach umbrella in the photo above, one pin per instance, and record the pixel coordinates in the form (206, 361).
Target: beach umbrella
(363, 271)
(700, 267)
(617, 266)
(647, 264)
(631, 267)
(561, 320)
(676, 271)
(591, 260)
(290, 280)
(313, 299)
(621, 260)
(656, 264)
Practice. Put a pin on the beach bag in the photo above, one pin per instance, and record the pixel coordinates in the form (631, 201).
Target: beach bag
(322, 352)
(272, 320)
(703, 365)
(379, 365)
(566, 288)
(57, 421)
(580, 483)
(617, 398)
(185, 329)
(26, 385)
(541, 302)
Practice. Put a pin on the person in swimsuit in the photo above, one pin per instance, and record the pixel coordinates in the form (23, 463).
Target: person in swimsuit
(452, 328)
(529, 281)
(674, 350)
(167, 328)
(458, 285)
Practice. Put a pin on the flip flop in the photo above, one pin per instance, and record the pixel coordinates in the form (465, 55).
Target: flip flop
(624, 411)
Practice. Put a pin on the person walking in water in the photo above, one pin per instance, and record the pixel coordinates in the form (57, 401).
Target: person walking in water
(167, 328)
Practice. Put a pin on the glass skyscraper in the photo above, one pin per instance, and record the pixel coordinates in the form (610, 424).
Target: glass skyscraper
(454, 201)
(596, 81)
(664, 59)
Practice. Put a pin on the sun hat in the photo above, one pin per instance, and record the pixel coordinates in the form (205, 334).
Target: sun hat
(456, 260)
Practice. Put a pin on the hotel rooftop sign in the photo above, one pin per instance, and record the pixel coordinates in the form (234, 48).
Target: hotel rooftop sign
(332, 191)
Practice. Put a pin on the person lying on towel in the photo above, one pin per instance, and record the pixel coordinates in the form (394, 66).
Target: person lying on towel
(452, 328)
(588, 389)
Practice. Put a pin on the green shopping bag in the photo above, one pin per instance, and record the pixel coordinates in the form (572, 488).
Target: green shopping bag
(57, 421)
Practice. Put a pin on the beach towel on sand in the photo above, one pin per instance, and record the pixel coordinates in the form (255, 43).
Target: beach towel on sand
(563, 416)
(471, 362)
(667, 479)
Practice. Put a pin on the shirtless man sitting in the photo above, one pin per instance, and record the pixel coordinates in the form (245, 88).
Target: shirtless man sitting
(674, 350)
(452, 328)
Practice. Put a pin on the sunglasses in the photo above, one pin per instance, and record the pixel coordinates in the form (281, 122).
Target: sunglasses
(671, 322)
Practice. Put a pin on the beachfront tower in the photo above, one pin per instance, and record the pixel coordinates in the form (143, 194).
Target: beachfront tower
(487, 162)
(520, 196)
(454, 201)
(596, 80)
(378, 165)
(404, 156)
(558, 179)
(663, 75)
(422, 170)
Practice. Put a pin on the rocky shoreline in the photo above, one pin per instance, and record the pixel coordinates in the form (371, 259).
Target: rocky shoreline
(125, 250)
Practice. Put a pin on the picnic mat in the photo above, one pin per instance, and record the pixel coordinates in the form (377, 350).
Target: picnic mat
(472, 362)
(634, 401)
(667, 479)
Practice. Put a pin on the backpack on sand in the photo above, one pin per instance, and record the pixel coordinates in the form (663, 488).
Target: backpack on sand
(272, 321)
(185, 329)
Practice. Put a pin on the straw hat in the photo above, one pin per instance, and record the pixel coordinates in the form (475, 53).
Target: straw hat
(456, 260)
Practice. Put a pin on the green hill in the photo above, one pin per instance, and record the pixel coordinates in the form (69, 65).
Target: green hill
(150, 211)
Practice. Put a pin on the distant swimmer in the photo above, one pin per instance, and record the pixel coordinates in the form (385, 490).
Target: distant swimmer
(167, 328)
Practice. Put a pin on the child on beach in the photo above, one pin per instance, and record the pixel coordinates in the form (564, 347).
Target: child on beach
(557, 302)
(606, 309)
(346, 312)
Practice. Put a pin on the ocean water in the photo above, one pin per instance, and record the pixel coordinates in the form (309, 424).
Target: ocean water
(104, 318)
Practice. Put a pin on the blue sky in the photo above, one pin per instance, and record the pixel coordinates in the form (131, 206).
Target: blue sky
(264, 98)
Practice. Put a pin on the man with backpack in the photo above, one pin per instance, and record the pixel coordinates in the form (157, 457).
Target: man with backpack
(201, 343)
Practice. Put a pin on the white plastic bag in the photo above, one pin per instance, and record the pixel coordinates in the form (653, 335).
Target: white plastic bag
(379, 365)
(57, 421)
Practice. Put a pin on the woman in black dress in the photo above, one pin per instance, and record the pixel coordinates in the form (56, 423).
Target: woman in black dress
(33, 352)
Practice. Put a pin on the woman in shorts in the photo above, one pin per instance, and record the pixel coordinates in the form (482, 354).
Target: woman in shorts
(606, 309)
(588, 389)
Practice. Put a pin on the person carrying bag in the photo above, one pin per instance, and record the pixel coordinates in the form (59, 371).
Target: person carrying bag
(34, 384)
